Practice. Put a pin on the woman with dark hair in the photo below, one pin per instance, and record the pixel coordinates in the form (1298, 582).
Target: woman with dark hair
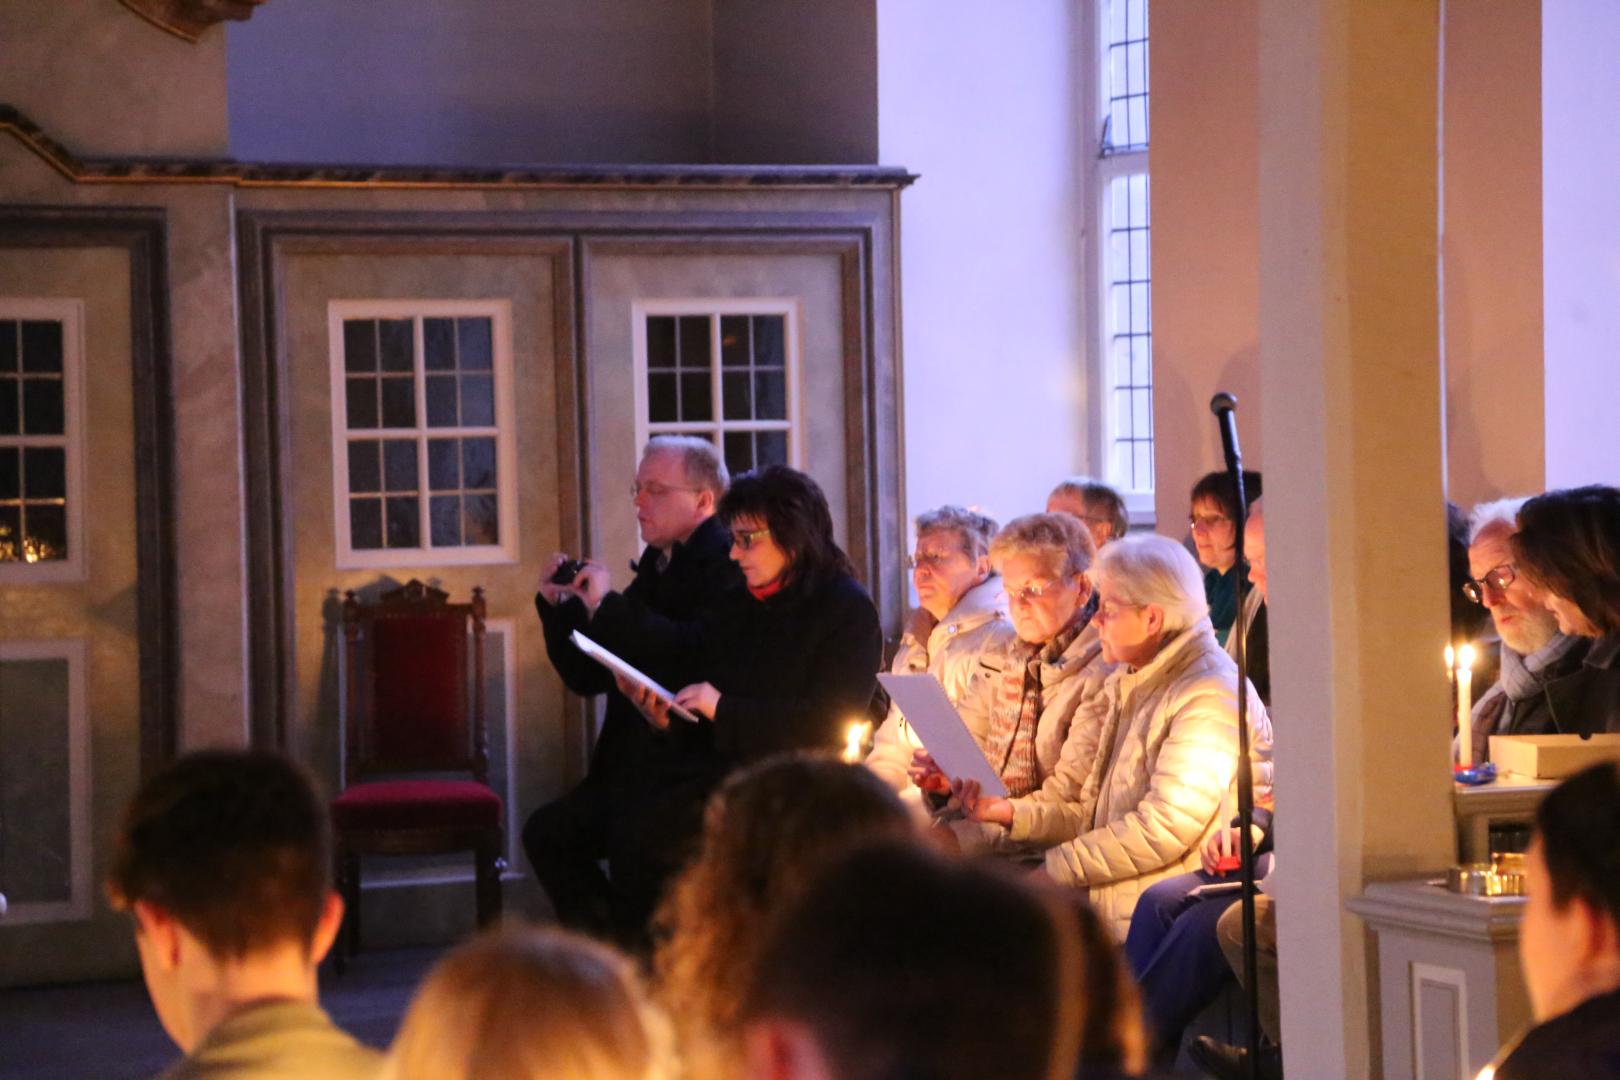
(1568, 543)
(1214, 521)
(792, 659)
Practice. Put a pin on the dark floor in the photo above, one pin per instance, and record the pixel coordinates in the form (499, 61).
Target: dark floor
(108, 1031)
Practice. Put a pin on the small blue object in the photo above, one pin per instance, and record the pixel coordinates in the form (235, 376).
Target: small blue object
(1475, 775)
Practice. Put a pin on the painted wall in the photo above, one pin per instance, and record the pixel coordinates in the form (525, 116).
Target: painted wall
(435, 82)
(1491, 248)
(103, 81)
(795, 82)
(991, 275)
(1206, 256)
(1581, 222)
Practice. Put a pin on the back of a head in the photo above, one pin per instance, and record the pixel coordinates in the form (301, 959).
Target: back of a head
(529, 1004)
(1569, 542)
(904, 965)
(1578, 824)
(235, 845)
(770, 829)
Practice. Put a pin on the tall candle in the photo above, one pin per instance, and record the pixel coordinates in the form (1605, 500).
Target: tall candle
(855, 742)
(1465, 706)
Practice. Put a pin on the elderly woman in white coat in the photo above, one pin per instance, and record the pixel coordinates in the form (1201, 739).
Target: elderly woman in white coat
(962, 612)
(1147, 768)
(1028, 690)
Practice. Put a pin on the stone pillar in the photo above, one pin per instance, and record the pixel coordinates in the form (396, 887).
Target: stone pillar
(1351, 404)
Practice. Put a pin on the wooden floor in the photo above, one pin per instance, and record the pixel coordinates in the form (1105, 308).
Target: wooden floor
(108, 1031)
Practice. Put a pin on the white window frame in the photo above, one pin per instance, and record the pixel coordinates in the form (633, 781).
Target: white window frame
(70, 313)
(1101, 173)
(500, 314)
(79, 904)
(714, 307)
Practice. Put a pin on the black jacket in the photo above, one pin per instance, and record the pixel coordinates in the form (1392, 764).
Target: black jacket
(792, 670)
(1582, 1044)
(1580, 695)
(631, 753)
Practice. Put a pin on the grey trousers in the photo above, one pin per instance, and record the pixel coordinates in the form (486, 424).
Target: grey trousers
(1230, 932)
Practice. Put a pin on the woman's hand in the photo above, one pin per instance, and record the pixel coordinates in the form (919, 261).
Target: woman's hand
(701, 699)
(974, 804)
(650, 705)
(927, 775)
(1224, 843)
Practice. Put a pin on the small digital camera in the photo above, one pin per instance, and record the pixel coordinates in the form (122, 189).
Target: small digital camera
(567, 572)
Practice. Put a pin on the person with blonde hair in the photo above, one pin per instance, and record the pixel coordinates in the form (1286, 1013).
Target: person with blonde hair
(1144, 773)
(769, 829)
(962, 611)
(1029, 688)
(531, 1004)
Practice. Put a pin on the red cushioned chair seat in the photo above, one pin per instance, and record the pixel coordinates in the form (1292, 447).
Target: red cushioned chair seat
(417, 804)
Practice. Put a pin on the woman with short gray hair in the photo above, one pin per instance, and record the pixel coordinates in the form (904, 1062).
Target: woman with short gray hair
(1146, 766)
(961, 611)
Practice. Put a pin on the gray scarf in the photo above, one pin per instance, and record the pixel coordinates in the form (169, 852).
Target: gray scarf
(1521, 677)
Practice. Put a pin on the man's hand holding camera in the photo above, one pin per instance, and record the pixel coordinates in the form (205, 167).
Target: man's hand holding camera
(563, 577)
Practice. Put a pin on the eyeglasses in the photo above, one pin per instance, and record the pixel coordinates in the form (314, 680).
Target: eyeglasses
(746, 539)
(655, 490)
(1113, 609)
(1497, 577)
(1033, 591)
(1206, 522)
(931, 559)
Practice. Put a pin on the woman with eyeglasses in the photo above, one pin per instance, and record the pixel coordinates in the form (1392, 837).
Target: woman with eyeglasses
(962, 612)
(792, 659)
(1568, 546)
(1148, 762)
(1214, 523)
(1028, 688)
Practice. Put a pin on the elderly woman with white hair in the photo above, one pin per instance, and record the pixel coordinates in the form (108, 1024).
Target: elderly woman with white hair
(961, 613)
(1028, 688)
(1148, 765)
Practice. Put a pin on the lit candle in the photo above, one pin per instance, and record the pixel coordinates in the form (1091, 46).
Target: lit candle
(1465, 706)
(855, 741)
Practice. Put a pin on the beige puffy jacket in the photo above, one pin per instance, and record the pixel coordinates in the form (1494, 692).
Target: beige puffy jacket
(1142, 778)
(978, 624)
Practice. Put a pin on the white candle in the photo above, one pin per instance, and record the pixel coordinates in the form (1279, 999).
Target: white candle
(1465, 706)
(855, 741)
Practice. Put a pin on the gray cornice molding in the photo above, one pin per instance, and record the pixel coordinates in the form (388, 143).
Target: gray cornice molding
(1433, 909)
(224, 171)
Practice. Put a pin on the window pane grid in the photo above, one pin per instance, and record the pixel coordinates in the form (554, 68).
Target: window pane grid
(723, 376)
(34, 443)
(432, 483)
(1125, 80)
(1129, 330)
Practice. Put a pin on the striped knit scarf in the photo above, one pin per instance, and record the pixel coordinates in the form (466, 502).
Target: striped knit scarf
(1010, 743)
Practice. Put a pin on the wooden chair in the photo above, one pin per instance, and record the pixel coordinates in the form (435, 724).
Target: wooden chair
(414, 705)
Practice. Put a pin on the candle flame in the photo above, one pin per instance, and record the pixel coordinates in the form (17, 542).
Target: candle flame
(855, 741)
(1465, 658)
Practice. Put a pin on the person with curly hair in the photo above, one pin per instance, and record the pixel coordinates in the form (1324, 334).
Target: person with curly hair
(769, 829)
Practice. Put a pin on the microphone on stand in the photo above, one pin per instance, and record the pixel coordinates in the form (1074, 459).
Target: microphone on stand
(1224, 406)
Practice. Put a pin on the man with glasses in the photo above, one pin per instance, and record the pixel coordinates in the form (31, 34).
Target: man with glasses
(1545, 686)
(640, 805)
(1099, 507)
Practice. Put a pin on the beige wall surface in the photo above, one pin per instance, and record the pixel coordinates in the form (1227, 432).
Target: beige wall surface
(99, 611)
(1491, 249)
(103, 81)
(311, 282)
(616, 281)
(1206, 220)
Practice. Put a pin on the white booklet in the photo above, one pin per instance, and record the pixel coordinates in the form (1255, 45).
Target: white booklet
(619, 667)
(922, 701)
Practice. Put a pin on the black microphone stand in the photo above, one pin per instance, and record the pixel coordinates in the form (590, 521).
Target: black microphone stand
(1223, 405)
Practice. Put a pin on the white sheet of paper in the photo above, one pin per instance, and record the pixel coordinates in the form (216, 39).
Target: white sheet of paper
(619, 667)
(922, 701)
